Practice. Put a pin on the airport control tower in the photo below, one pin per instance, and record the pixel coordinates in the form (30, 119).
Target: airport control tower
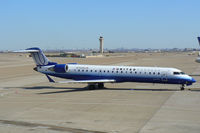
(101, 44)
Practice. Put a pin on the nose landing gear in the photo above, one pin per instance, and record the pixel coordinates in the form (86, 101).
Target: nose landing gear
(182, 87)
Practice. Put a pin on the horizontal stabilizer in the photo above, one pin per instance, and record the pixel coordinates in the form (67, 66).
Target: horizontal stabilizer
(37, 55)
(26, 51)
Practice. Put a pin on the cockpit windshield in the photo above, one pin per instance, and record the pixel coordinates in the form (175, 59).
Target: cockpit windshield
(179, 73)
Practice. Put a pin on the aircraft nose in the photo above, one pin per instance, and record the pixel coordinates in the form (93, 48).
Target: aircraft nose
(193, 80)
(190, 81)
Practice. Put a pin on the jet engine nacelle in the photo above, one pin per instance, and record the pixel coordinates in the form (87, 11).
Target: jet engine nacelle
(61, 68)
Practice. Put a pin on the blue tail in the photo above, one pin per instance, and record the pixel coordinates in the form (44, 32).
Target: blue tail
(38, 56)
(198, 40)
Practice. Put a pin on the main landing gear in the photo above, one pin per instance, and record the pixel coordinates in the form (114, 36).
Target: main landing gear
(100, 85)
(182, 87)
(96, 86)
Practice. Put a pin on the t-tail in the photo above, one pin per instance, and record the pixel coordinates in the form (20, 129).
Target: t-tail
(38, 56)
(198, 40)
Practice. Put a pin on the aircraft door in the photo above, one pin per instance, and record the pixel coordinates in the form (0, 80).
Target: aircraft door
(164, 77)
(100, 71)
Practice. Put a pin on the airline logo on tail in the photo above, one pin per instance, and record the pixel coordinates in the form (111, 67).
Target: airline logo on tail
(38, 56)
(198, 40)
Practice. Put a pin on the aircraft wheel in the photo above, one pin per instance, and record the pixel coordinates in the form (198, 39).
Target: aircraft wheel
(182, 87)
(100, 85)
(91, 87)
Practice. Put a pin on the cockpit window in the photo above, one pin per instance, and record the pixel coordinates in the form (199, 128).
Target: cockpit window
(179, 73)
(182, 72)
(176, 73)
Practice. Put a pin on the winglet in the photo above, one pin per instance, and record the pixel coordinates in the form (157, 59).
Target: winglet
(50, 79)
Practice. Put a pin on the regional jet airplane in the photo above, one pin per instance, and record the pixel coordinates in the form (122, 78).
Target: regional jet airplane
(96, 75)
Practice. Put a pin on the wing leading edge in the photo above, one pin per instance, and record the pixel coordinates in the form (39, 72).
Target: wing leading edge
(83, 81)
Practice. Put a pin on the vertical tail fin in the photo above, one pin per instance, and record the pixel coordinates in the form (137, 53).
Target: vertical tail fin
(38, 56)
(198, 40)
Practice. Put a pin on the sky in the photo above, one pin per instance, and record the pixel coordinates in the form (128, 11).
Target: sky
(77, 24)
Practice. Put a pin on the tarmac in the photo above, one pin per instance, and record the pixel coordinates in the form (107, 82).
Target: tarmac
(30, 104)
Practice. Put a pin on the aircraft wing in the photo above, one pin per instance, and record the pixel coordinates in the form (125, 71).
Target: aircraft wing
(89, 81)
(83, 81)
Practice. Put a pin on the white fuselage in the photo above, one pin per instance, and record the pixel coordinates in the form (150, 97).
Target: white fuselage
(119, 73)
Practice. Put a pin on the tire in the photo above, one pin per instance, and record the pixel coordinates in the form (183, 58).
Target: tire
(100, 85)
(91, 87)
